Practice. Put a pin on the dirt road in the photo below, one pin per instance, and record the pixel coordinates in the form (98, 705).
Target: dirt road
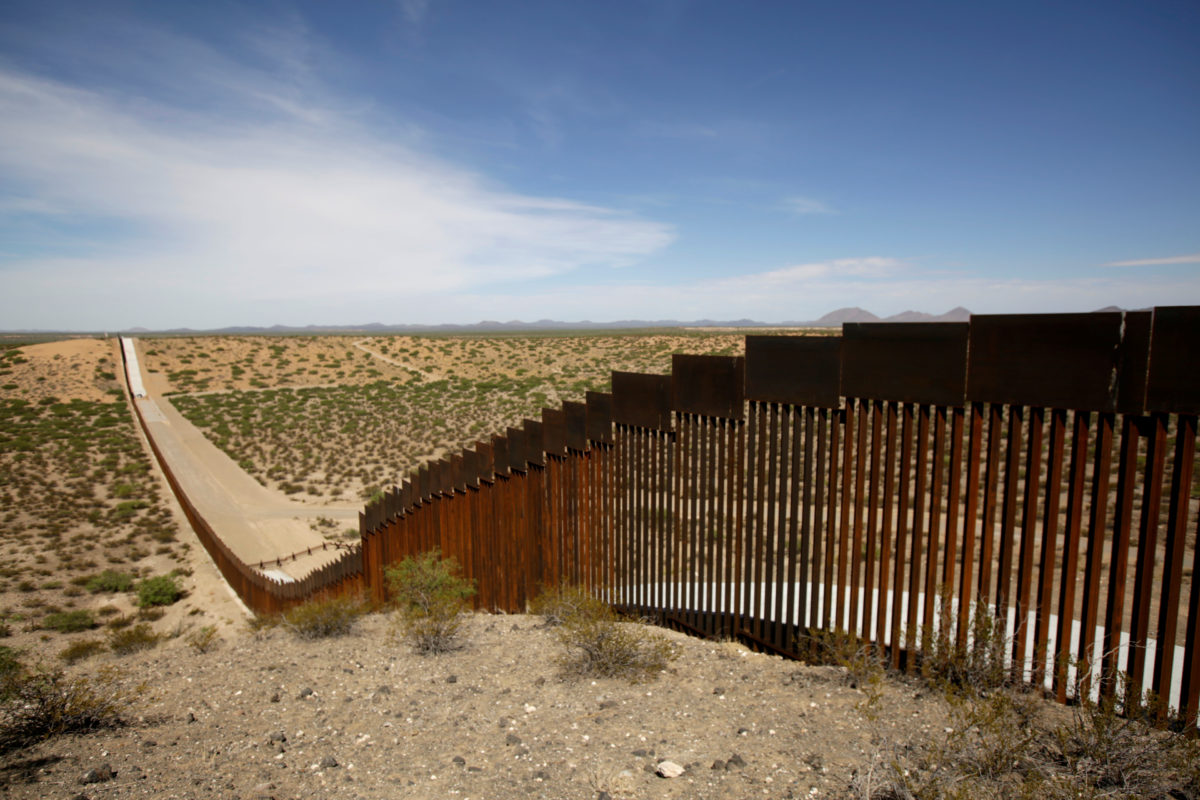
(257, 523)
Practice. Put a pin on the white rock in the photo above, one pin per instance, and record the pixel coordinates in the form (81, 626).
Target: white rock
(669, 769)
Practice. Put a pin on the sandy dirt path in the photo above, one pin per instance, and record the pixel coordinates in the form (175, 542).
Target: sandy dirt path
(257, 523)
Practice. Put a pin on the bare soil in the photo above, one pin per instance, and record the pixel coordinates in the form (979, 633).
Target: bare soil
(268, 715)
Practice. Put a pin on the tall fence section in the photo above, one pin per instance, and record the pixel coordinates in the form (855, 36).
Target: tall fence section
(888, 483)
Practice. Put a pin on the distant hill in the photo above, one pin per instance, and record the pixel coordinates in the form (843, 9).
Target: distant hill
(832, 319)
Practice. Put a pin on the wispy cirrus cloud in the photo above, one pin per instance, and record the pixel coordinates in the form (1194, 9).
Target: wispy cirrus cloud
(1194, 258)
(299, 198)
(806, 205)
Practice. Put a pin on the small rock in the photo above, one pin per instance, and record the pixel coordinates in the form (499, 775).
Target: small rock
(452, 679)
(669, 769)
(277, 736)
(743, 731)
(541, 681)
(735, 762)
(98, 774)
(639, 753)
(608, 704)
(474, 769)
(504, 723)
(718, 691)
(328, 762)
(275, 697)
(603, 796)
(815, 761)
(191, 717)
(459, 760)
(515, 627)
(383, 689)
(542, 775)
(718, 764)
(306, 692)
(512, 739)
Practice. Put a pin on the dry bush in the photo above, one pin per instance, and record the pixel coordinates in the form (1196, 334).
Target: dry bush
(204, 639)
(430, 598)
(38, 703)
(78, 651)
(555, 605)
(125, 641)
(319, 619)
(599, 644)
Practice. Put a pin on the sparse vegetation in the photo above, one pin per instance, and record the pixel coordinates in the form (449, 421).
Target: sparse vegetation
(38, 703)
(203, 639)
(318, 619)
(83, 649)
(598, 643)
(133, 639)
(110, 580)
(430, 598)
(69, 621)
(162, 590)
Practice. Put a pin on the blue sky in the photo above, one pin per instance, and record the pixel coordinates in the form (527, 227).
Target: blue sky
(427, 161)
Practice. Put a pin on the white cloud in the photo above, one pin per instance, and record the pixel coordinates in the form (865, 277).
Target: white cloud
(297, 201)
(806, 205)
(1194, 258)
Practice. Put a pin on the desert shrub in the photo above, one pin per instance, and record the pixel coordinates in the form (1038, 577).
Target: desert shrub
(46, 703)
(110, 581)
(10, 669)
(204, 639)
(558, 604)
(861, 661)
(977, 667)
(132, 640)
(430, 598)
(600, 645)
(69, 621)
(319, 619)
(78, 651)
(162, 590)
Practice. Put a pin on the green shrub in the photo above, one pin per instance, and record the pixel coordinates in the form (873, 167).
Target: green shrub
(78, 651)
(132, 640)
(162, 590)
(110, 581)
(319, 619)
(47, 703)
(69, 621)
(430, 599)
(599, 644)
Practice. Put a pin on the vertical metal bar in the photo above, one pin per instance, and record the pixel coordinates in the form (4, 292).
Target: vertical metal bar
(811, 577)
(1008, 516)
(966, 593)
(991, 482)
(1139, 626)
(870, 600)
(1101, 471)
(1119, 558)
(935, 522)
(1177, 524)
(1033, 475)
(1077, 478)
(738, 470)
(724, 529)
(840, 616)
(882, 618)
(856, 553)
(822, 589)
(1054, 470)
(918, 536)
(784, 539)
(901, 533)
(800, 531)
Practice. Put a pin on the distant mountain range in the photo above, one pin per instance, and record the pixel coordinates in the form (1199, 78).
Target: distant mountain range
(832, 319)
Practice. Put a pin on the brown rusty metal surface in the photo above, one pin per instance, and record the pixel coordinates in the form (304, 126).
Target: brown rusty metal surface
(710, 386)
(641, 400)
(1134, 362)
(1050, 360)
(799, 370)
(599, 417)
(534, 453)
(575, 415)
(554, 432)
(916, 362)
(1173, 384)
(516, 449)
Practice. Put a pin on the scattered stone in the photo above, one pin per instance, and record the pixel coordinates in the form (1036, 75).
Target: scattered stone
(383, 689)
(815, 761)
(735, 762)
(669, 769)
(541, 681)
(608, 704)
(306, 692)
(718, 691)
(190, 717)
(542, 775)
(603, 796)
(504, 723)
(459, 760)
(98, 774)
(474, 769)
(718, 765)
(277, 736)
(640, 753)
(328, 762)
(275, 697)
(452, 679)
(512, 739)
(743, 731)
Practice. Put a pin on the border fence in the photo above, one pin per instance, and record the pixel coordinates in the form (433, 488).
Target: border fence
(887, 483)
